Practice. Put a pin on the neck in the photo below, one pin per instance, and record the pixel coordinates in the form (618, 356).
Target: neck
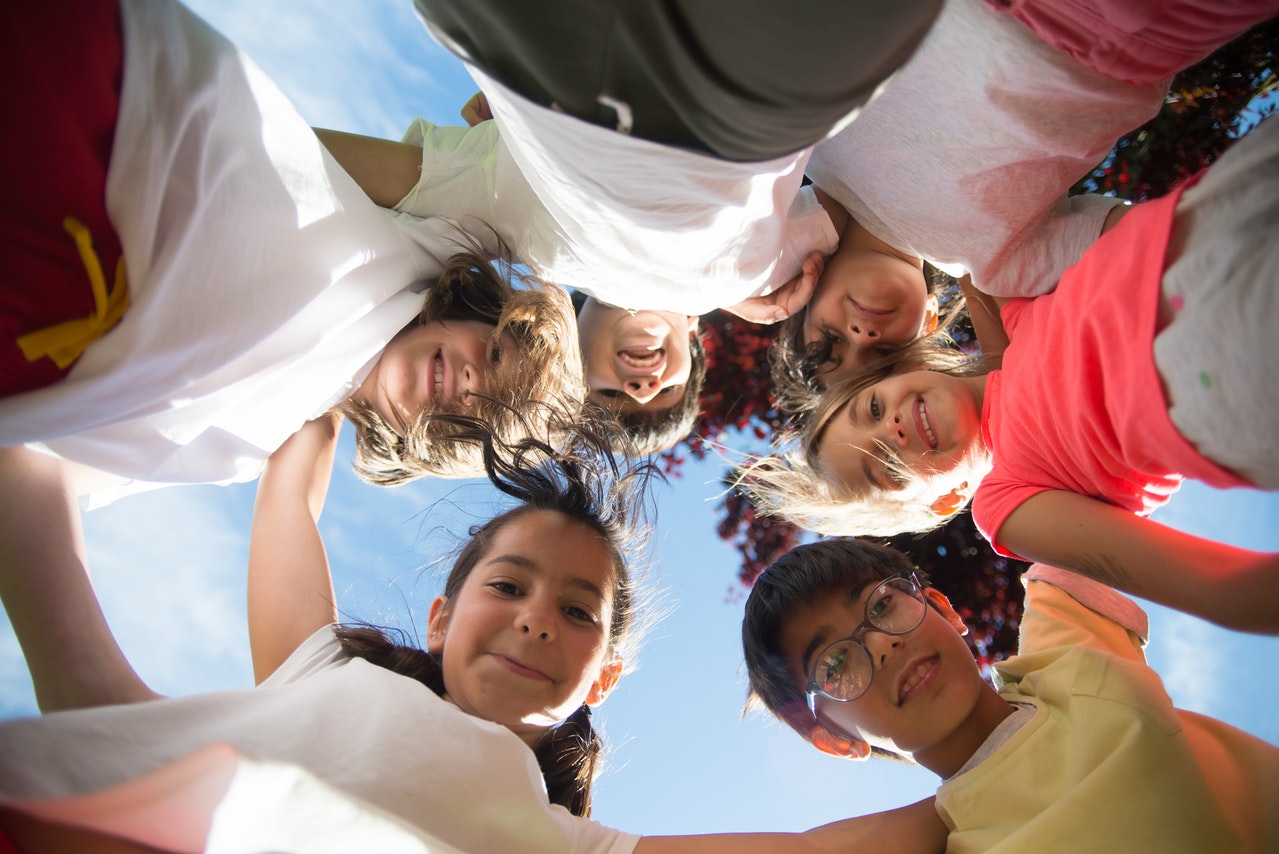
(946, 758)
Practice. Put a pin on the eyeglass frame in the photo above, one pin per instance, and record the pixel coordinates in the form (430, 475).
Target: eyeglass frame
(812, 689)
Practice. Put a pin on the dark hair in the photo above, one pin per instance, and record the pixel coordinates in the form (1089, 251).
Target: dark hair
(479, 285)
(793, 363)
(795, 580)
(585, 482)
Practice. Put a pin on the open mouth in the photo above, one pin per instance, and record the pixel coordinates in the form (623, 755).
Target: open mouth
(438, 364)
(922, 425)
(642, 359)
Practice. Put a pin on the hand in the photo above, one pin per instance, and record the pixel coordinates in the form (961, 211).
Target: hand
(786, 300)
(476, 110)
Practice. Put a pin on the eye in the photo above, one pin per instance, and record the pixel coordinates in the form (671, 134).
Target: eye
(832, 666)
(876, 411)
(506, 588)
(577, 612)
(884, 351)
(495, 354)
(671, 390)
(610, 393)
(894, 470)
(880, 607)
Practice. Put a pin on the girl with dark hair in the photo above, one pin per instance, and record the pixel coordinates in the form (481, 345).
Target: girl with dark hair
(438, 744)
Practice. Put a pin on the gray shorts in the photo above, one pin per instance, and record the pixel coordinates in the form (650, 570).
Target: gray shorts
(1219, 356)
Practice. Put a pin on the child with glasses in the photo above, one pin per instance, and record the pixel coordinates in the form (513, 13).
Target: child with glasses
(1077, 747)
(1150, 363)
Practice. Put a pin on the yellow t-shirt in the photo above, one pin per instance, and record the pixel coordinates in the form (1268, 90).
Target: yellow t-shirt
(1106, 763)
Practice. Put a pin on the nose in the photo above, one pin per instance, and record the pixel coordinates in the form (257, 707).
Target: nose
(534, 619)
(472, 379)
(862, 333)
(894, 433)
(642, 389)
(880, 646)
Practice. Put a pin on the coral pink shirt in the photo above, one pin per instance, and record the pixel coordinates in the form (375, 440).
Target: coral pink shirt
(1078, 405)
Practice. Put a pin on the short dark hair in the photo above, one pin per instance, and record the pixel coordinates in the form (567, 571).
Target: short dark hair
(797, 579)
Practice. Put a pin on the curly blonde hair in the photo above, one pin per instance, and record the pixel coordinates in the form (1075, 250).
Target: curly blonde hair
(542, 378)
(795, 485)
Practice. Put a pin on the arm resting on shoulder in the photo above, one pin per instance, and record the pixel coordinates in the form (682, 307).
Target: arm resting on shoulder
(74, 660)
(290, 587)
(1233, 587)
(385, 170)
(914, 829)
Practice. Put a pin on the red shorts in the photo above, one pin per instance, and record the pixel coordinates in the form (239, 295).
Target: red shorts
(62, 64)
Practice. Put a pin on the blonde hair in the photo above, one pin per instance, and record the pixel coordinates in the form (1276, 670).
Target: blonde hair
(543, 378)
(795, 485)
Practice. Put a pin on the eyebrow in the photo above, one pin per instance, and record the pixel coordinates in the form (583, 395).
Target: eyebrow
(821, 636)
(532, 566)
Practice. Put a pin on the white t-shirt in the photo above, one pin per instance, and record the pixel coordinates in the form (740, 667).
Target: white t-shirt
(263, 282)
(966, 155)
(384, 738)
(633, 223)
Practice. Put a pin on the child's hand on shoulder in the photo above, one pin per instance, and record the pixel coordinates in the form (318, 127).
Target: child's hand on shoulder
(786, 300)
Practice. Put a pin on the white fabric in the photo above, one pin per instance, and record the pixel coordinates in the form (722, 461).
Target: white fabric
(965, 157)
(633, 223)
(383, 738)
(263, 281)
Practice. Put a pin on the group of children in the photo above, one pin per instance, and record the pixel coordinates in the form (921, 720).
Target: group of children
(1111, 316)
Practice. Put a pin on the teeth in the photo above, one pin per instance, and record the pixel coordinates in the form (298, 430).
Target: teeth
(928, 428)
(641, 358)
(439, 374)
(915, 678)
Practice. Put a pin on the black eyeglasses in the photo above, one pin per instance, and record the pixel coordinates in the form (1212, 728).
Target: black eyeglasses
(844, 669)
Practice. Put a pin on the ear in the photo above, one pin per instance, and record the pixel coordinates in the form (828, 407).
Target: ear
(932, 312)
(939, 601)
(837, 745)
(610, 672)
(436, 624)
(950, 503)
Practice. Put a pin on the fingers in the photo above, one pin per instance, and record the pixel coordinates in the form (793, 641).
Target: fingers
(476, 110)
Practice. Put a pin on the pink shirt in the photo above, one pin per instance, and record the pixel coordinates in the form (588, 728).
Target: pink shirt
(1078, 405)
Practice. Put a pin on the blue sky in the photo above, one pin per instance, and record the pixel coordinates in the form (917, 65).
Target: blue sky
(170, 565)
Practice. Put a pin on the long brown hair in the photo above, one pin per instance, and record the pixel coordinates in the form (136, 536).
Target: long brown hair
(546, 370)
(584, 481)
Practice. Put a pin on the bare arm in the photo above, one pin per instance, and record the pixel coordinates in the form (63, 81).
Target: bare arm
(914, 829)
(385, 170)
(290, 588)
(1233, 587)
(983, 309)
(44, 584)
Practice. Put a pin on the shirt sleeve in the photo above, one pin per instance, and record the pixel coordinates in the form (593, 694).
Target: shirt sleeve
(1064, 608)
(1050, 244)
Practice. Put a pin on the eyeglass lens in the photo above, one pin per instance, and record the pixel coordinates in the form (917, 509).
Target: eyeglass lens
(844, 670)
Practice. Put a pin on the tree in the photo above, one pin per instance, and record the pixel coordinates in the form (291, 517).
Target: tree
(1210, 104)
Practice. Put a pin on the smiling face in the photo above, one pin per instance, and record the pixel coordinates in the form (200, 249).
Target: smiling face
(635, 362)
(525, 641)
(432, 367)
(925, 699)
(867, 304)
(927, 423)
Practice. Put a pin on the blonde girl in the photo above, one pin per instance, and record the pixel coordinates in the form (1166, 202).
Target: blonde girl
(1151, 362)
